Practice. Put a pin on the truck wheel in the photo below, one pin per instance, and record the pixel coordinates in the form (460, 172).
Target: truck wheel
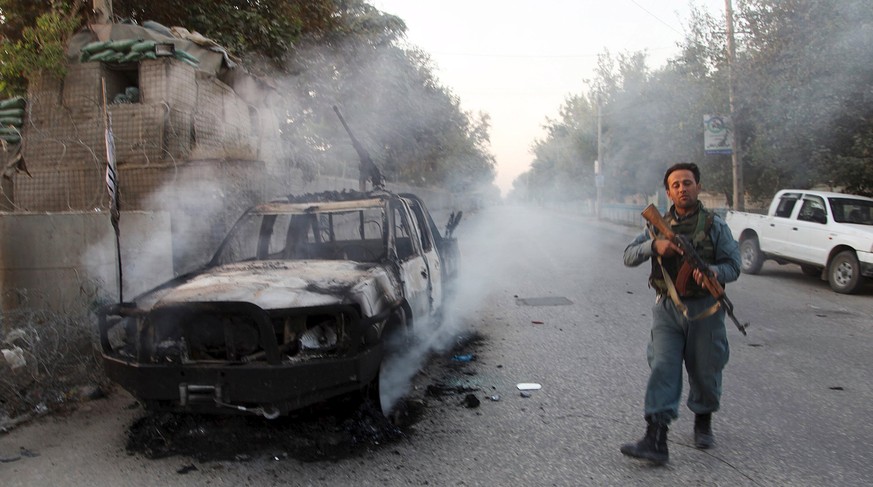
(750, 256)
(811, 270)
(844, 273)
(389, 386)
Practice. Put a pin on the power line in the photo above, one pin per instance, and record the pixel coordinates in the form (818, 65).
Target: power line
(644, 9)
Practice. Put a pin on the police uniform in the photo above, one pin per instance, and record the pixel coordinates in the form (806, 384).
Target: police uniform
(696, 336)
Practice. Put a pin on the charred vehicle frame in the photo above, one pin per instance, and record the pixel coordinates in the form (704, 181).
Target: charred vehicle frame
(301, 303)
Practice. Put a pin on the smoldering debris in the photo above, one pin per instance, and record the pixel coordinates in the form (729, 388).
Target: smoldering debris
(332, 430)
(328, 431)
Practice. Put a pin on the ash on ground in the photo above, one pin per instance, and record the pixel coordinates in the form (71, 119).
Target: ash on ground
(332, 430)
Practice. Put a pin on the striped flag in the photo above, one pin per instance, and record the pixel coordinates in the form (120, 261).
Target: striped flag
(111, 174)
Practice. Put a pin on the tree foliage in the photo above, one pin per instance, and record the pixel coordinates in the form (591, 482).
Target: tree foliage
(34, 37)
(803, 115)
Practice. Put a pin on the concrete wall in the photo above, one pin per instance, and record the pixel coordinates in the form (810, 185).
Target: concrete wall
(65, 261)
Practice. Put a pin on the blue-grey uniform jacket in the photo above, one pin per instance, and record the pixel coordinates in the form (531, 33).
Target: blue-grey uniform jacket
(727, 252)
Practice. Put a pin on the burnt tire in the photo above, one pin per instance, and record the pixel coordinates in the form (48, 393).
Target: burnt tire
(383, 391)
(844, 273)
(811, 270)
(751, 258)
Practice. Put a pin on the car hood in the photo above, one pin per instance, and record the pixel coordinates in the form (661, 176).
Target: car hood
(287, 284)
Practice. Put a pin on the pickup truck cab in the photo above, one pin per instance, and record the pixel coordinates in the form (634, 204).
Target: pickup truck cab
(828, 234)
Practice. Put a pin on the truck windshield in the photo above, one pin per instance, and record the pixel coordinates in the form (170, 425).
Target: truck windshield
(850, 210)
(354, 234)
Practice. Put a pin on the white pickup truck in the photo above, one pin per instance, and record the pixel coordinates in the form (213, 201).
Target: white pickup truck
(829, 235)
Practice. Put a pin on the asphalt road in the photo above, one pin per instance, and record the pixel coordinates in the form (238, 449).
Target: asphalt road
(796, 408)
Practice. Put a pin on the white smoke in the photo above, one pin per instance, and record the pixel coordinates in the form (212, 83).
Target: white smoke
(483, 263)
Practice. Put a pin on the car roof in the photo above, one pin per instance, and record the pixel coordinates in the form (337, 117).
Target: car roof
(325, 202)
(826, 194)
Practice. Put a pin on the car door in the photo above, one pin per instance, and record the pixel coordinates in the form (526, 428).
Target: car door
(413, 267)
(810, 238)
(429, 251)
(777, 232)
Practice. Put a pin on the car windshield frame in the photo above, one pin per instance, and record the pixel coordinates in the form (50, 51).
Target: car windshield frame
(334, 230)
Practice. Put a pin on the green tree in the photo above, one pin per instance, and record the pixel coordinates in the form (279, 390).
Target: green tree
(28, 49)
(805, 85)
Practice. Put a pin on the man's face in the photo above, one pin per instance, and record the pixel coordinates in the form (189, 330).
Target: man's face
(683, 190)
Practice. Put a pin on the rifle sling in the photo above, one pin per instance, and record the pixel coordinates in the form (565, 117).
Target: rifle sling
(674, 296)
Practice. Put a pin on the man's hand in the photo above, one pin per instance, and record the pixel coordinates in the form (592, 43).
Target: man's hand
(700, 277)
(665, 248)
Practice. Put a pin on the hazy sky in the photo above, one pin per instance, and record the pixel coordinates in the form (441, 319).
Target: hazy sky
(518, 60)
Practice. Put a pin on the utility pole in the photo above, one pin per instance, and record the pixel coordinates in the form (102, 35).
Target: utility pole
(736, 160)
(598, 164)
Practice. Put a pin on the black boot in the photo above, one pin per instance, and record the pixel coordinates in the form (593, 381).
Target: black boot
(703, 437)
(652, 447)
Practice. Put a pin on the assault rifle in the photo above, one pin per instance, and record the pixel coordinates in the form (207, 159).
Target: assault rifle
(367, 168)
(693, 261)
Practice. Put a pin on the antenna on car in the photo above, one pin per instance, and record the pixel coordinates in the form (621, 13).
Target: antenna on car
(367, 168)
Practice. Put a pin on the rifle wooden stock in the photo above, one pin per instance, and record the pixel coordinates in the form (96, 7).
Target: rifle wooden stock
(653, 216)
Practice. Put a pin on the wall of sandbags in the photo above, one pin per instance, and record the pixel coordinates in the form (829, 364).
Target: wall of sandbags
(166, 114)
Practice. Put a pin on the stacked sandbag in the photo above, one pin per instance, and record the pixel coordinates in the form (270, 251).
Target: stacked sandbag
(128, 51)
(12, 119)
(129, 95)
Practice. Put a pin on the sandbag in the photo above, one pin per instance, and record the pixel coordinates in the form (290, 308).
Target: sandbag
(12, 139)
(152, 25)
(17, 102)
(185, 56)
(102, 55)
(15, 121)
(96, 46)
(122, 45)
(132, 56)
(12, 112)
(143, 46)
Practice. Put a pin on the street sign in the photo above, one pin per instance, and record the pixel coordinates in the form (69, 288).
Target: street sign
(717, 134)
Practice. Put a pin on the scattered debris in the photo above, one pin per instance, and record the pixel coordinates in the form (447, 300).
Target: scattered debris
(25, 453)
(9, 458)
(529, 386)
(471, 401)
(336, 429)
(836, 388)
(525, 394)
(14, 357)
(186, 468)
(537, 322)
(495, 397)
(464, 358)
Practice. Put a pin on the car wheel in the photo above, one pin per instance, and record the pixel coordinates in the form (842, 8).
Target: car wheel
(751, 259)
(388, 388)
(844, 273)
(811, 270)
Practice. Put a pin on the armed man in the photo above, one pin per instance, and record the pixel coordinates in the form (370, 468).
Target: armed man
(688, 318)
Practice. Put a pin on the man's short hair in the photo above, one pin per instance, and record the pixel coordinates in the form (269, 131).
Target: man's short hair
(686, 166)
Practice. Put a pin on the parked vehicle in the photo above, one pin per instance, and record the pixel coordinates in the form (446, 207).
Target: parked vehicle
(302, 302)
(828, 234)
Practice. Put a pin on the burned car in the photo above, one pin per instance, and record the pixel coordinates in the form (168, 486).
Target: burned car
(301, 303)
